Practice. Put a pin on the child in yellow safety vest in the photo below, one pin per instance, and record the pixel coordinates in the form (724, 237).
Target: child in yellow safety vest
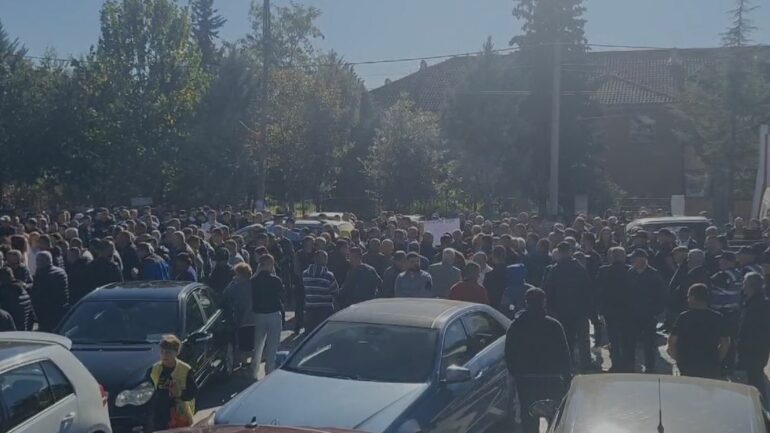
(173, 402)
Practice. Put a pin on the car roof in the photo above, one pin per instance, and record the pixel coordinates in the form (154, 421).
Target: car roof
(421, 313)
(17, 347)
(630, 402)
(142, 290)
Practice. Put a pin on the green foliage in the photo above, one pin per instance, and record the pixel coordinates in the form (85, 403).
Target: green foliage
(482, 128)
(206, 23)
(143, 83)
(405, 163)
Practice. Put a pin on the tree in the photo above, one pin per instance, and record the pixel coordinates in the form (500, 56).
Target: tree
(481, 126)
(144, 82)
(206, 23)
(722, 107)
(293, 31)
(220, 159)
(555, 29)
(405, 163)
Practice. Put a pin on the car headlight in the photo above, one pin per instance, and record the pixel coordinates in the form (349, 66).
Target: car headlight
(135, 397)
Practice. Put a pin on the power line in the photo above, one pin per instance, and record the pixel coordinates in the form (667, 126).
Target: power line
(431, 57)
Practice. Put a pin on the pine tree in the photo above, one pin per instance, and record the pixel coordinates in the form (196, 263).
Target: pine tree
(550, 25)
(722, 107)
(206, 24)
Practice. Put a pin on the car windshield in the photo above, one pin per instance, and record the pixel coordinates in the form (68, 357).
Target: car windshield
(362, 351)
(120, 321)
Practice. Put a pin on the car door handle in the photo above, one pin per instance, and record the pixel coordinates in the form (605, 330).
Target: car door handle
(480, 374)
(67, 421)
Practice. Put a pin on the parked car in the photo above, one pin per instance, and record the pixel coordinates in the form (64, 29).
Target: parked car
(388, 365)
(115, 332)
(44, 388)
(254, 429)
(696, 224)
(621, 403)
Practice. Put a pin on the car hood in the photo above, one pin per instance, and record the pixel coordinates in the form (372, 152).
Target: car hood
(288, 398)
(117, 367)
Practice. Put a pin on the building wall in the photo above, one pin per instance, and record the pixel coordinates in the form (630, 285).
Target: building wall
(643, 156)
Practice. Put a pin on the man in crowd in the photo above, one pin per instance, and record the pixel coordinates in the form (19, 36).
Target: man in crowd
(537, 356)
(699, 340)
(646, 300)
(725, 298)
(444, 274)
(222, 273)
(753, 346)
(469, 289)
(568, 291)
(612, 283)
(414, 282)
(362, 281)
(104, 270)
(321, 290)
(152, 266)
(399, 265)
(49, 292)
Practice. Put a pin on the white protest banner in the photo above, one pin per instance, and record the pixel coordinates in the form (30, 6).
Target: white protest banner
(441, 226)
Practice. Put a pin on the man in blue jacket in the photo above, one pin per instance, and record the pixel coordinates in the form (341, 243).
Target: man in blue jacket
(153, 267)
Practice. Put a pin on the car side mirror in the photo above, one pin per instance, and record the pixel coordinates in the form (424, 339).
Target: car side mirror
(544, 409)
(281, 358)
(457, 374)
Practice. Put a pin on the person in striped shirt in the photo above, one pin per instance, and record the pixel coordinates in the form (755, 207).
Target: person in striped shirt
(321, 290)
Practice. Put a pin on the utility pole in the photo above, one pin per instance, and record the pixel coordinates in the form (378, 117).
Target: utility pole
(553, 183)
(262, 151)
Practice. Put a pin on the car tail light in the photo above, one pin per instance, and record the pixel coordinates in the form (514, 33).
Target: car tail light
(104, 394)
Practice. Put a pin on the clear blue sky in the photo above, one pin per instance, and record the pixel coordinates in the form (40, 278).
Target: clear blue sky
(377, 29)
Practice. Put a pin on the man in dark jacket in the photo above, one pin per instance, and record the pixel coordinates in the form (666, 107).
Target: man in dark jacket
(15, 300)
(222, 273)
(50, 292)
(338, 260)
(754, 334)
(104, 270)
(389, 277)
(362, 282)
(612, 282)
(645, 301)
(78, 269)
(537, 356)
(568, 290)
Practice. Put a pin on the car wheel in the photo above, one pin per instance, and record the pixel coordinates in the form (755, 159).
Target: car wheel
(229, 361)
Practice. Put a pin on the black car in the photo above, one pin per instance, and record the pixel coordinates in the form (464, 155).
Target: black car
(115, 332)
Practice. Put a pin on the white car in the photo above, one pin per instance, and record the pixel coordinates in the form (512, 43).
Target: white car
(45, 389)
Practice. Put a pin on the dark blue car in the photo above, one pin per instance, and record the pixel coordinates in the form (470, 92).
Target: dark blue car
(115, 332)
(389, 365)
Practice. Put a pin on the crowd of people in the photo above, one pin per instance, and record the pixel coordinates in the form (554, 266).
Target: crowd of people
(585, 275)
